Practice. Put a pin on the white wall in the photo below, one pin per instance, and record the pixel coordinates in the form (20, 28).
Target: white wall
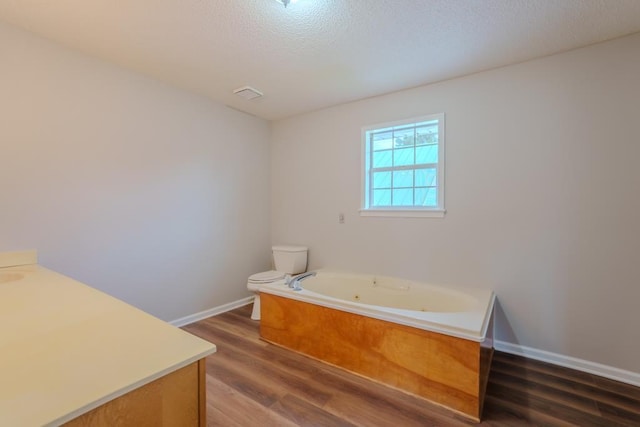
(542, 194)
(151, 194)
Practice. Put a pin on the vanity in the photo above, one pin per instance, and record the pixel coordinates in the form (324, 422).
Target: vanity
(72, 355)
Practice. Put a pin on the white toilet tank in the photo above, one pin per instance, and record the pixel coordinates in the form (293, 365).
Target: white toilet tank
(290, 259)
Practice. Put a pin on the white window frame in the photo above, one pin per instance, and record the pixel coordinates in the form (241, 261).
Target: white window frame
(404, 211)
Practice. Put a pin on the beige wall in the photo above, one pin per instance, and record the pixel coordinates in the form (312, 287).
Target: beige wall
(542, 194)
(151, 194)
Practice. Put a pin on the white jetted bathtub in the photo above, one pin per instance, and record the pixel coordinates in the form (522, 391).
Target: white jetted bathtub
(435, 342)
(463, 313)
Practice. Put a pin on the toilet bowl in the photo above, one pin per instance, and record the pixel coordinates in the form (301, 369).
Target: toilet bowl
(287, 260)
(254, 283)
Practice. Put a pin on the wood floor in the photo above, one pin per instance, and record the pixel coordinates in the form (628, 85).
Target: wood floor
(252, 383)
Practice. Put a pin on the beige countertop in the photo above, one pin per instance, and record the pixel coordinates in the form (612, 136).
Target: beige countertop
(66, 348)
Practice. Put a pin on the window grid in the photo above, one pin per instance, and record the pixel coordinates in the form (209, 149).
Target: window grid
(392, 185)
(407, 167)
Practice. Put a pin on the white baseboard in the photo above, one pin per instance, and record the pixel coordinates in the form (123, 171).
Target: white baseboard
(211, 312)
(610, 372)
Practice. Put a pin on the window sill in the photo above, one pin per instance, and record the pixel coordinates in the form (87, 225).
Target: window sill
(404, 213)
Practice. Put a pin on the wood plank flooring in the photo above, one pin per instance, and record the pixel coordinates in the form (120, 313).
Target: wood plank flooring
(252, 383)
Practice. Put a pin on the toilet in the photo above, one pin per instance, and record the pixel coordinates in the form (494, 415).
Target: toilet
(287, 260)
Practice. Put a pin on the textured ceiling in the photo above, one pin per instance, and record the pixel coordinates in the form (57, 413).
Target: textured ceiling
(318, 53)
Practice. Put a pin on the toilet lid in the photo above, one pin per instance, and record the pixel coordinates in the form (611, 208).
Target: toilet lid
(266, 276)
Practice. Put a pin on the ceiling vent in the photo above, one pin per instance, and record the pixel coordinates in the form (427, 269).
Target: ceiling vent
(286, 2)
(247, 92)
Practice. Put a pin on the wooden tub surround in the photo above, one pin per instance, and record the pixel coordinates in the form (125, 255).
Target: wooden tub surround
(446, 370)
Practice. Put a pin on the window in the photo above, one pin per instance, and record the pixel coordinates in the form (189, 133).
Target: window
(403, 168)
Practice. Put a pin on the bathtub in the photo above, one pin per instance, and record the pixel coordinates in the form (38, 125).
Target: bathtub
(435, 342)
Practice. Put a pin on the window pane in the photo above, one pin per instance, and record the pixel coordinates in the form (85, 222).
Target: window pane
(381, 197)
(426, 177)
(427, 154)
(382, 141)
(382, 159)
(427, 197)
(403, 197)
(427, 135)
(401, 165)
(404, 137)
(381, 179)
(402, 179)
(403, 156)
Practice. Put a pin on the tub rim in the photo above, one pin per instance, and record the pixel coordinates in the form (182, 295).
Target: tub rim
(471, 325)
